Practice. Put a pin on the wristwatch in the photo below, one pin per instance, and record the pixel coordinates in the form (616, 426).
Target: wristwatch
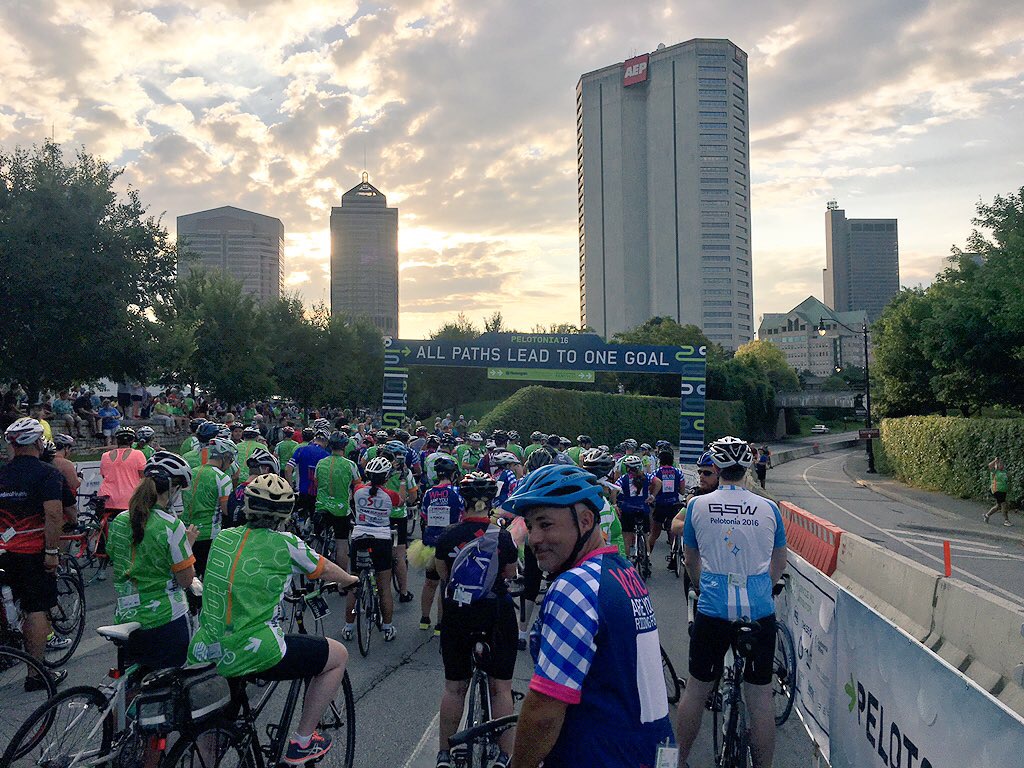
(51, 551)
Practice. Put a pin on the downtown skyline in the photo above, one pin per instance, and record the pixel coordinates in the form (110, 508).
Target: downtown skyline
(465, 113)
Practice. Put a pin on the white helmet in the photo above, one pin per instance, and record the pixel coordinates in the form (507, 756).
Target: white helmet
(220, 448)
(24, 431)
(504, 459)
(731, 452)
(378, 469)
(169, 466)
(145, 434)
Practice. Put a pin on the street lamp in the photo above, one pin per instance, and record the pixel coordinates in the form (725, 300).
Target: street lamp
(822, 330)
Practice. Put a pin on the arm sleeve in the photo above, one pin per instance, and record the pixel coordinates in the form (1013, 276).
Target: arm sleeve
(223, 486)
(304, 560)
(569, 623)
(180, 551)
(780, 528)
(689, 532)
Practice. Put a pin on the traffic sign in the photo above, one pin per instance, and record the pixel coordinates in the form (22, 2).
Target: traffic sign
(539, 374)
(870, 434)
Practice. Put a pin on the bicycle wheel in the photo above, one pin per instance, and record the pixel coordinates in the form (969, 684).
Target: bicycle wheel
(719, 700)
(67, 618)
(76, 730)
(783, 674)
(672, 684)
(479, 713)
(676, 558)
(218, 746)
(339, 722)
(365, 612)
(18, 704)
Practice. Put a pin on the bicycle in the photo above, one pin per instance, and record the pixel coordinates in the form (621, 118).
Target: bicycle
(783, 674)
(367, 608)
(67, 621)
(641, 557)
(729, 731)
(673, 683)
(488, 732)
(675, 556)
(234, 740)
(17, 669)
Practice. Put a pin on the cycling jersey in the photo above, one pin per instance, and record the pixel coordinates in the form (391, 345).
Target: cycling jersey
(736, 532)
(596, 648)
(334, 478)
(650, 463)
(25, 484)
(516, 450)
(245, 449)
(611, 528)
(530, 449)
(574, 454)
(121, 469)
(395, 483)
(428, 466)
(373, 512)
(285, 450)
(202, 500)
(506, 480)
(442, 506)
(190, 443)
(672, 483)
(198, 456)
(304, 461)
(467, 457)
(629, 497)
(999, 480)
(147, 591)
(247, 574)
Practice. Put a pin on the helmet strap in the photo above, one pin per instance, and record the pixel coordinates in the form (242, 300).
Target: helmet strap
(581, 541)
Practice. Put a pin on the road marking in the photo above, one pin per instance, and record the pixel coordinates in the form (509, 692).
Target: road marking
(1009, 595)
(423, 740)
(940, 539)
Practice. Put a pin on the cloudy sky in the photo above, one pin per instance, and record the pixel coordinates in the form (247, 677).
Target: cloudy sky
(465, 111)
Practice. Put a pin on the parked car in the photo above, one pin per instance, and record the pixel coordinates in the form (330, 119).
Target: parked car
(819, 429)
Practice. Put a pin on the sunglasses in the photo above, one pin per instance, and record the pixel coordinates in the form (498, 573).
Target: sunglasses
(706, 473)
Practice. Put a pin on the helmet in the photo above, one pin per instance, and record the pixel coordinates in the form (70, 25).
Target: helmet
(260, 457)
(402, 436)
(322, 434)
(337, 440)
(564, 442)
(490, 445)
(195, 424)
(500, 434)
(220, 448)
(604, 448)
(478, 486)
(504, 459)
(307, 434)
(421, 429)
(169, 466)
(224, 433)
(537, 437)
(447, 440)
(663, 445)
(584, 440)
(126, 434)
(63, 441)
(319, 424)
(630, 444)
(632, 463)
(731, 452)
(378, 469)
(251, 431)
(513, 436)
(475, 437)
(445, 466)
(705, 460)
(397, 447)
(269, 496)
(381, 436)
(206, 431)
(538, 459)
(645, 446)
(597, 462)
(48, 452)
(559, 485)
(145, 434)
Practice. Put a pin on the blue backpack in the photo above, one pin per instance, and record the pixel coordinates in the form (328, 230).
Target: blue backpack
(475, 569)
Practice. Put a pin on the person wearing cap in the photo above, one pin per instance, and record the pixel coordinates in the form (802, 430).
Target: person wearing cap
(596, 621)
(206, 499)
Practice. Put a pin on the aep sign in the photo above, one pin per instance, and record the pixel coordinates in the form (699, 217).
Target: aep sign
(635, 69)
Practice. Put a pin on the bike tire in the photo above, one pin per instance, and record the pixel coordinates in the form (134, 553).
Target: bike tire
(719, 716)
(340, 721)
(783, 674)
(15, 667)
(479, 713)
(217, 745)
(673, 686)
(69, 717)
(364, 613)
(67, 619)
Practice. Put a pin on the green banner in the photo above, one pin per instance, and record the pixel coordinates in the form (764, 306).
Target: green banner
(539, 374)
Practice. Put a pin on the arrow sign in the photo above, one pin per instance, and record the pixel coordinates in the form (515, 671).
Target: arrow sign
(254, 644)
(539, 374)
(153, 605)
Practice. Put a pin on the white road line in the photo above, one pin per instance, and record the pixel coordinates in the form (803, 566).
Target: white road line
(960, 550)
(1008, 595)
(423, 740)
(940, 539)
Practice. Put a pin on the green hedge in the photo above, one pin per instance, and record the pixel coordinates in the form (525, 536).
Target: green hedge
(609, 419)
(951, 454)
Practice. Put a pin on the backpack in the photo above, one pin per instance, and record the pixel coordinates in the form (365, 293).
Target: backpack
(475, 569)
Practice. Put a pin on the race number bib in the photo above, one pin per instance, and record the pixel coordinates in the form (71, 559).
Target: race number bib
(668, 484)
(439, 516)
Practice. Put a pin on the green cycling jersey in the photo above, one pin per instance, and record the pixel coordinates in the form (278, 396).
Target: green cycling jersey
(335, 476)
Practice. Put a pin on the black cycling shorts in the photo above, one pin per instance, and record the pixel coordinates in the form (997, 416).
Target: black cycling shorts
(634, 520)
(399, 524)
(664, 514)
(160, 647)
(305, 505)
(342, 526)
(462, 626)
(710, 640)
(999, 496)
(32, 586)
(305, 656)
(380, 553)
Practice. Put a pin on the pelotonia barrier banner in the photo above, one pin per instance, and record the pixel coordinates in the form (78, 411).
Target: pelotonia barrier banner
(548, 352)
(897, 704)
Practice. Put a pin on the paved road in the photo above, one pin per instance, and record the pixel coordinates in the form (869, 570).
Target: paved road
(825, 485)
(398, 687)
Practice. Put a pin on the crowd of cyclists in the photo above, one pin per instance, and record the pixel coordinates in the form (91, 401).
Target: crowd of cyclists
(205, 538)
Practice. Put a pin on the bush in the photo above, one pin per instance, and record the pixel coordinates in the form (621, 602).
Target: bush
(951, 454)
(609, 419)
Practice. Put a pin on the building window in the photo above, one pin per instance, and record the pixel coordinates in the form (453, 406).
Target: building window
(714, 225)
(710, 69)
(714, 159)
(718, 314)
(715, 235)
(712, 104)
(711, 92)
(714, 192)
(715, 257)
(710, 247)
(718, 304)
(711, 113)
(713, 137)
(718, 325)
(705, 204)
(717, 281)
(711, 82)
(713, 126)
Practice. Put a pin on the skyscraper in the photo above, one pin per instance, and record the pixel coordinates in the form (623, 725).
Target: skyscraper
(862, 259)
(248, 246)
(364, 257)
(664, 191)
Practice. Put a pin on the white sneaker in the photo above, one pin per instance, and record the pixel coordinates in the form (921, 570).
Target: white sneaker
(390, 633)
(348, 633)
(55, 643)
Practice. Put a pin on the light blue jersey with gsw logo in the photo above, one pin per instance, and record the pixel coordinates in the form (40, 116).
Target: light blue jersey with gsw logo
(736, 532)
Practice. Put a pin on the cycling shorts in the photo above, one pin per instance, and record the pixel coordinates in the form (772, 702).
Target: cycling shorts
(462, 626)
(380, 553)
(342, 526)
(305, 656)
(398, 524)
(26, 575)
(664, 514)
(634, 520)
(305, 505)
(711, 638)
(160, 647)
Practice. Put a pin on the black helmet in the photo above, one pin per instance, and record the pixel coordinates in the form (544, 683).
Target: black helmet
(308, 433)
(445, 467)
(538, 459)
(597, 462)
(447, 439)
(478, 486)
(584, 441)
(337, 440)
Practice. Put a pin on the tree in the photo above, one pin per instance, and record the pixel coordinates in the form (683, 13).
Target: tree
(662, 331)
(80, 268)
(772, 361)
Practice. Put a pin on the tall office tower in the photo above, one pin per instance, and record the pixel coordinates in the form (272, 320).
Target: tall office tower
(862, 258)
(364, 257)
(248, 246)
(664, 191)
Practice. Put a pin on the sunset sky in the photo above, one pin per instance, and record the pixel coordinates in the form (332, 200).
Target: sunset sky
(465, 111)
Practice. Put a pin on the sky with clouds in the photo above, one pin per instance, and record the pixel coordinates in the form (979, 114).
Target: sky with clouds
(465, 111)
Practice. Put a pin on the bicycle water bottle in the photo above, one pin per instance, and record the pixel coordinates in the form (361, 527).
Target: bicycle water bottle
(10, 609)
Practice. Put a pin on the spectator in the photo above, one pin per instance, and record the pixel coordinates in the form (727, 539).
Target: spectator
(461, 425)
(110, 419)
(446, 422)
(41, 413)
(999, 482)
(188, 406)
(124, 396)
(138, 395)
(84, 408)
(162, 414)
(65, 412)
(763, 464)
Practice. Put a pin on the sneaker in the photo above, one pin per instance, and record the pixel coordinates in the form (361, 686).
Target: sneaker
(36, 683)
(424, 622)
(1007, 523)
(437, 630)
(502, 760)
(54, 643)
(390, 633)
(444, 759)
(521, 644)
(406, 598)
(348, 632)
(318, 747)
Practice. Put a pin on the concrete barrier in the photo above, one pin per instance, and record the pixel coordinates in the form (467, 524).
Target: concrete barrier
(897, 587)
(816, 540)
(800, 452)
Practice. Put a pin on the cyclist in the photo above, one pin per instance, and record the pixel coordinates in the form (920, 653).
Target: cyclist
(667, 500)
(62, 461)
(536, 441)
(707, 474)
(191, 442)
(144, 442)
(469, 453)
(532, 576)
(120, 470)
(372, 531)
(152, 562)
(583, 443)
(286, 447)
(205, 432)
(442, 506)
(335, 477)
(260, 462)
(380, 438)
(630, 448)
(301, 472)
(404, 485)
(239, 628)
(445, 447)
(736, 566)
(637, 491)
(206, 498)
(476, 608)
(514, 446)
(245, 448)
(595, 622)
(31, 516)
(600, 464)
(508, 468)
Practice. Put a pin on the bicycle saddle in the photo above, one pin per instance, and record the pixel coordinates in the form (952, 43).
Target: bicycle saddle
(119, 633)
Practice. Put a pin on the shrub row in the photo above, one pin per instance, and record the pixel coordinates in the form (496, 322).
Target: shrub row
(607, 418)
(951, 454)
